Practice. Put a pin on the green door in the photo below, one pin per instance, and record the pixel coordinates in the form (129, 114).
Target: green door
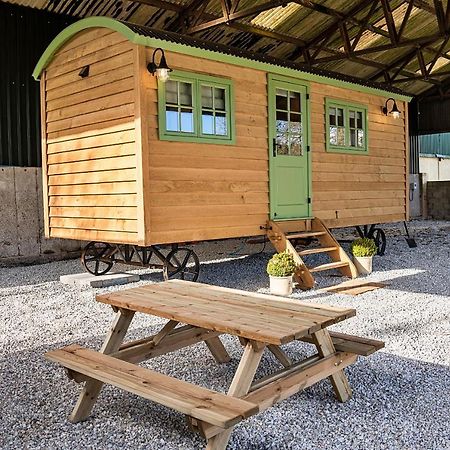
(289, 151)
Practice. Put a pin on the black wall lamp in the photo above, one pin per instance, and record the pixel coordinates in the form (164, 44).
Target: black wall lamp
(161, 70)
(394, 112)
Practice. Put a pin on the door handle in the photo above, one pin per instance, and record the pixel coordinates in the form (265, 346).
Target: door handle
(274, 148)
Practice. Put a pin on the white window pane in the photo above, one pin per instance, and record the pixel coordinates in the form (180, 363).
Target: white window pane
(207, 97)
(351, 116)
(333, 136)
(219, 99)
(340, 117)
(341, 136)
(185, 94)
(332, 115)
(187, 121)
(207, 123)
(353, 138)
(295, 125)
(221, 124)
(361, 142)
(171, 92)
(172, 119)
(359, 122)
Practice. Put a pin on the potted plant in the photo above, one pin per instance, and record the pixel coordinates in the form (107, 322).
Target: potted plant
(363, 250)
(280, 268)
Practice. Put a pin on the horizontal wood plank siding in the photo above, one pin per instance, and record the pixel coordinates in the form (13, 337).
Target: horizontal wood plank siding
(210, 191)
(351, 189)
(91, 140)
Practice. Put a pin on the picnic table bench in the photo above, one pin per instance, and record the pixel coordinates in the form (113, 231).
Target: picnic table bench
(259, 321)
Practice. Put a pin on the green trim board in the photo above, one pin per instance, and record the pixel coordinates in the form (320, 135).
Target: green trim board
(196, 132)
(290, 179)
(139, 39)
(347, 107)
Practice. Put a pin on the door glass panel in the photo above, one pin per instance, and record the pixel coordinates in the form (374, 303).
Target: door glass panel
(282, 121)
(295, 125)
(282, 144)
(281, 99)
(294, 101)
(296, 145)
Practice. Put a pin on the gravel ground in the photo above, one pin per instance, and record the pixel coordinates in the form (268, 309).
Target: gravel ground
(401, 394)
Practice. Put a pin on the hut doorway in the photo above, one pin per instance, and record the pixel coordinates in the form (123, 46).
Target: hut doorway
(289, 150)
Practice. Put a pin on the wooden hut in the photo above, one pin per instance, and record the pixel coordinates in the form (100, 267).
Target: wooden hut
(233, 140)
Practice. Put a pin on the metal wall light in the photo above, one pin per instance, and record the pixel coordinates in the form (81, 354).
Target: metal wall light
(394, 112)
(161, 70)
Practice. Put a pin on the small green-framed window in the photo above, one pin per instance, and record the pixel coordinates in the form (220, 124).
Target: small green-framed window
(196, 108)
(346, 127)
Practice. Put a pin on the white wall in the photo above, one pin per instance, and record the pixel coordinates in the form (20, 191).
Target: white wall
(436, 169)
(22, 219)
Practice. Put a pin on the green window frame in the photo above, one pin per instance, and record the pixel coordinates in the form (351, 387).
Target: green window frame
(346, 127)
(196, 108)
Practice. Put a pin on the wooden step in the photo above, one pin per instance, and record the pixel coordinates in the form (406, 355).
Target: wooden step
(313, 251)
(328, 266)
(305, 234)
(195, 401)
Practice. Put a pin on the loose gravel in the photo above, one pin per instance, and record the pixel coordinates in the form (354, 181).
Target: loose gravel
(401, 394)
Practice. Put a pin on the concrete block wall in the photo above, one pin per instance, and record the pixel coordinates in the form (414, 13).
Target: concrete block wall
(438, 199)
(22, 219)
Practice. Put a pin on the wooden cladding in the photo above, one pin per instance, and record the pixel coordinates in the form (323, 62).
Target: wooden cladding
(90, 138)
(110, 178)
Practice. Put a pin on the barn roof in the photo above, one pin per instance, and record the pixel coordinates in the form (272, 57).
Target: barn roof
(403, 44)
(150, 37)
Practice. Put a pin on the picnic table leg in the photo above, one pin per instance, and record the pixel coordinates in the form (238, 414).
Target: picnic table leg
(240, 386)
(218, 350)
(92, 388)
(325, 347)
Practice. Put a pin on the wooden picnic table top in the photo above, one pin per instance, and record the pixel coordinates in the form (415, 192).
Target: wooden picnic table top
(260, 317)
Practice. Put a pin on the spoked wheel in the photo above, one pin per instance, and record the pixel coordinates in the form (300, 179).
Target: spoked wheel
(181, 264)
(94, 258)
(379, 236)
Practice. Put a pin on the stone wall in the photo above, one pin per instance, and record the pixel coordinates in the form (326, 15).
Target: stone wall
(438, 199)
(21, 220)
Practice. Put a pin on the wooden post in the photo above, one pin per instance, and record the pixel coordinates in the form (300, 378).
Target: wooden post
(218, 350)
(239, 387)
(325, 347)
(92, 388)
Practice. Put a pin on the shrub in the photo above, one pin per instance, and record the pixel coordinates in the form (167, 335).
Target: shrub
(364, 247)
(281, 265)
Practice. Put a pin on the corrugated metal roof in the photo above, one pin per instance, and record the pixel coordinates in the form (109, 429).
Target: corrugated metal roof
(293, 20)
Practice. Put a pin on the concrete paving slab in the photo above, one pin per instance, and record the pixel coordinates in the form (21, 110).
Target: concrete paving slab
(110, 279)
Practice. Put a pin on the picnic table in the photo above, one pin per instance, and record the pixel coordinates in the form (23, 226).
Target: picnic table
(198, 312)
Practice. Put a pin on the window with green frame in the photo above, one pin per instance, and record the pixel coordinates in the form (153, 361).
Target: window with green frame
(346, 127)
(196, 108)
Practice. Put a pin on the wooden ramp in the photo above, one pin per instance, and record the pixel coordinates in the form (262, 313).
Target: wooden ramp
(284, 234)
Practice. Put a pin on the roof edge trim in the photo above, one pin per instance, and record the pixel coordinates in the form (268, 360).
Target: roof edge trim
(136, 38)
(73, 29)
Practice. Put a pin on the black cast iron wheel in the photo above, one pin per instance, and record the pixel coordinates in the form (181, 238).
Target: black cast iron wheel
(95, 258)
(379, 236)
(181, 264)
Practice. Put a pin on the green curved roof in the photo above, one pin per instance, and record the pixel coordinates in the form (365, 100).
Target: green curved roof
(149, 37)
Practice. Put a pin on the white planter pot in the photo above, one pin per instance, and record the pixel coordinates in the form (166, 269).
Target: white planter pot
(363, 264)
(281, 285)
